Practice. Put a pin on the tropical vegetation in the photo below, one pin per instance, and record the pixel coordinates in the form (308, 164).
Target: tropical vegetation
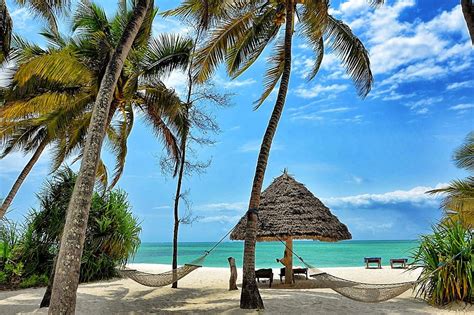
(27, 254)
(66, 277)
(447, 261)
(458, 200)
(49, 102)
(239, 32)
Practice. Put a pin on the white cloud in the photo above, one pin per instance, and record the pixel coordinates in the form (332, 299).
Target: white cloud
(254, 146)
(334, 110)
(319, 89)
(416, 195)
(422, 106)
(237, 83)
(176, 80)
(462, 107)
(221, 219)
(223, 206)
(460, 85)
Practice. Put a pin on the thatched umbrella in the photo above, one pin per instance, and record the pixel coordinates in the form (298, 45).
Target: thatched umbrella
(287, 211)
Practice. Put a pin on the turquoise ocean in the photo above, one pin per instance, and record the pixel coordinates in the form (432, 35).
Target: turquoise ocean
(319, 254)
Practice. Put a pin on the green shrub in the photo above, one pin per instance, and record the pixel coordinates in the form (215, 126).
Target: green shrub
(3, 277)
(112, 235)
(447, 259)
(34, 281)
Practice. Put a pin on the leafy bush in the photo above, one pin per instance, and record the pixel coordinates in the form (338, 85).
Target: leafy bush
(112, 235)
(34, 281)
(3, 277)
(447, 259)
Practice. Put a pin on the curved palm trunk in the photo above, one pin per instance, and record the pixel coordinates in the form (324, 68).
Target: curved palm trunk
(66, 279)
(250, 296)
(468, 11)
(21, 178)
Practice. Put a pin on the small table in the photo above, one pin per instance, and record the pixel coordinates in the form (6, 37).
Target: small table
(265, 274)
(373, 260)
(401, 262)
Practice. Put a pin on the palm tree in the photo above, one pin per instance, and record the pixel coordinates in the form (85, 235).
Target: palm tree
(459, 194)
(468, 11)
(241, 31)
(63, 297)
(75, 65)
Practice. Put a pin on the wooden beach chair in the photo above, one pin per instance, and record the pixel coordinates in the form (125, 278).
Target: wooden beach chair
(296, 271)
(398, 263)
(264, 274)
(373, 260)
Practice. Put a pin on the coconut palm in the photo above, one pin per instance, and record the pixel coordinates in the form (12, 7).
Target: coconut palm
(61, 83)
(458, 199)
(240, 32)
(63, 297)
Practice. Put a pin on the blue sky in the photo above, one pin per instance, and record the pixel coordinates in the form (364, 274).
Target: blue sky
(369, 160)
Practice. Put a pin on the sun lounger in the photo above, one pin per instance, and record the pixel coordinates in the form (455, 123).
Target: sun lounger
(373, 260)
(264, 274)
(398, 263)
(296, 271)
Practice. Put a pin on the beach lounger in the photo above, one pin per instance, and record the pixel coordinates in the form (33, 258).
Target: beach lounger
(373, 260)
(264, 274)
(296, 271)
(400, 262)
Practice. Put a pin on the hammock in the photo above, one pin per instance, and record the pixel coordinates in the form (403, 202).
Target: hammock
(359, 291)
(166, 278)
(160, 279)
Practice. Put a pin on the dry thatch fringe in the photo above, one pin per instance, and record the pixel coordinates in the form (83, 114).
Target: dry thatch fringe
(288, 208)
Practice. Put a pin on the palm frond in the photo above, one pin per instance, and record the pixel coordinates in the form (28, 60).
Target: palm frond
(166, 53)
(352, 53)
(223, 37)
(254, 40)
(117, 137)
(276, 63)
(464, 155)
(313, 24)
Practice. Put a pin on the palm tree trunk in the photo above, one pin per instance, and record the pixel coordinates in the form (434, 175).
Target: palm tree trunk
(21, 178)
(183, 160)
(6, 26)
(176, 208)
(66, 279)
(468, 11)
(250, 296)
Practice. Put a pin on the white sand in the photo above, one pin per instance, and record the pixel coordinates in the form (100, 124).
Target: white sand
(205, 291)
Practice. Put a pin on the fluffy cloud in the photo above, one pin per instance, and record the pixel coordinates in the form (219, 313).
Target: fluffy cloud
(462, 107)
(254, 146)
(460, 85)
(415, 196)
(319, 89)
(406, 51)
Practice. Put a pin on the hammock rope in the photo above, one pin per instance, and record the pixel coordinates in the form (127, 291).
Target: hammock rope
(168, 277)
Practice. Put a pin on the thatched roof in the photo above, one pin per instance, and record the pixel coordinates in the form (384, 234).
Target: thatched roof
(288, 208)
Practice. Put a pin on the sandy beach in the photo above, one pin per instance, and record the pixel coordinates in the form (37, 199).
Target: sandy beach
(205, 291)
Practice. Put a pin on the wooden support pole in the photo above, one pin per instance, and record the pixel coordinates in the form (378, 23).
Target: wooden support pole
(233, 274)
(289, 261)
